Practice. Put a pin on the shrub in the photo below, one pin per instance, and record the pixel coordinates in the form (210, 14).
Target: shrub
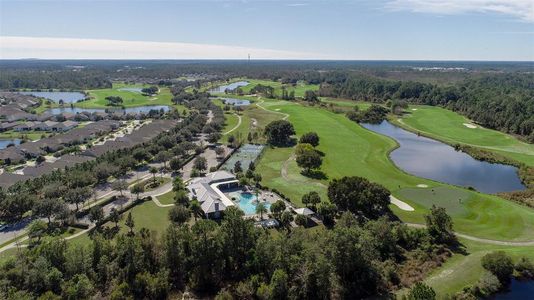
(499, 264)
(421, 291)
(525, 268)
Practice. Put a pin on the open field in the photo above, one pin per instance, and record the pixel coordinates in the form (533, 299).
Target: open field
(352, 150)
(450, 127)
(130, 98)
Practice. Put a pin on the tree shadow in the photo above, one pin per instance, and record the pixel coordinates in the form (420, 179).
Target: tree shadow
(315, 174)
(292, 142)
(321, 153)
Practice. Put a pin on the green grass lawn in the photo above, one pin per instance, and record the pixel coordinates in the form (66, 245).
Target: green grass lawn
(31, 135)
(167, 198)
(346, 103)
(463, 270)
(146, 215)
(448, 126)
(130, 98)
(231, 121)
(352, 150)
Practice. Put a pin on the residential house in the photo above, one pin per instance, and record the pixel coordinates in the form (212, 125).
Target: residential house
(207, 190)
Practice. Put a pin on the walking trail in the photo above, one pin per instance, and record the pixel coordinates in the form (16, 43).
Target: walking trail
(236, 126)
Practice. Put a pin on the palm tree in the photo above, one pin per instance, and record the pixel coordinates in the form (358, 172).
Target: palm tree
(195, 207)
(261, 209)
(153, 171)
(138, 189)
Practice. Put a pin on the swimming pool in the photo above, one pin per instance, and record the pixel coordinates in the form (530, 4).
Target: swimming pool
(247, 202)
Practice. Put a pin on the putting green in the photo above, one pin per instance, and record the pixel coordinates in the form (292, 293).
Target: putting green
(448, 126)
(452, 199)
(351, 150)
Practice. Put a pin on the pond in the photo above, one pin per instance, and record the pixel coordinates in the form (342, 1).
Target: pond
(134, 110)
(231, 86)
(131, 89)
(67, 97)
(5, 143)
(519, 289)
(235, 102)
(428, 158)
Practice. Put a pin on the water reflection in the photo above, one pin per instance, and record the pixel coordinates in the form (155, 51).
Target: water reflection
(432, 159)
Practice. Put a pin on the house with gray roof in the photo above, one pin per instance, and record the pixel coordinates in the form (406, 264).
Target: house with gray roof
(207, 190)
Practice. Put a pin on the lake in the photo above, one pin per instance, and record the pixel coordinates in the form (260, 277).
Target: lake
(428, 158)
(231, 86)
(134, 110)
(518, 290)
(235, 102)
(5, 143)
(67, 97)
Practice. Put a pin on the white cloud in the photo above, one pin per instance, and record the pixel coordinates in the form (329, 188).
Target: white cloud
(12, 47)
(522, 9)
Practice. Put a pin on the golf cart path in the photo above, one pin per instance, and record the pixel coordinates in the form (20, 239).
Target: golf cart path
(236, 126)
(272, 111)
(482, 240)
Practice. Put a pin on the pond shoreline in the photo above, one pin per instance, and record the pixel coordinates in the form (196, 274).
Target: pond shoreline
(431, 159)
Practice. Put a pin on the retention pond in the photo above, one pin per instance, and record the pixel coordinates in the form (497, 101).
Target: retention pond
(428, 158)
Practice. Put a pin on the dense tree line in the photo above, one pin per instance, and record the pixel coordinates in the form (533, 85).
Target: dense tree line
(500, 101)
(362, 255)
(52, 79)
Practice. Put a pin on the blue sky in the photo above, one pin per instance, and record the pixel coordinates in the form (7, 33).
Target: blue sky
(349, 29)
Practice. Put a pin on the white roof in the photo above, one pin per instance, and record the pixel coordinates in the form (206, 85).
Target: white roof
(304, 211)
(206, 191)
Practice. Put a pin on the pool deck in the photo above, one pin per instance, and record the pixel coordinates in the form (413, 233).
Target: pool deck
(225, 200)
(263, 196)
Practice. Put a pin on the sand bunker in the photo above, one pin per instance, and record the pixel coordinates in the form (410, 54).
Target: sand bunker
(414, 108)
(422, 185)
(400, 204)
(469, 125)
(277, 109)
